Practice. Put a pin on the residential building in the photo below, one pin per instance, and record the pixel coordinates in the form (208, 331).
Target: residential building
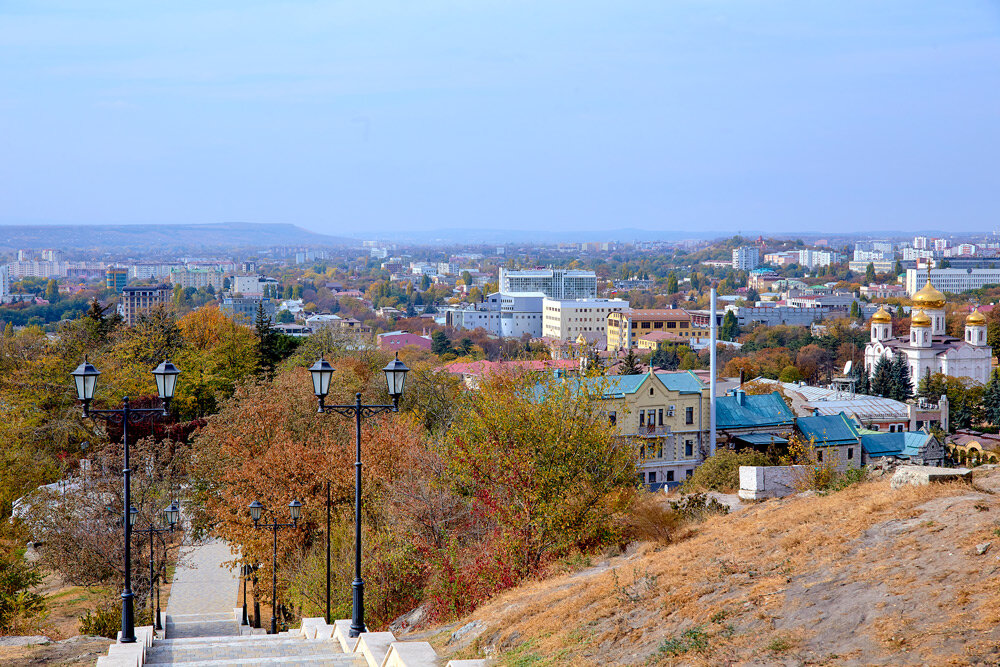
(665, 415)
(952, 280)
(744, 420)
(874, 251)
(553, 283)
(883, 291)
(140, 299)
(566, 319)
(762, 279)
(928, 348)
(746, 258)
(880, 265)
(625, 327)
(395, 341)
(197, 278)
(116, 278)
(252, 285)
(244, 308)
(337, 323)
(4, 283)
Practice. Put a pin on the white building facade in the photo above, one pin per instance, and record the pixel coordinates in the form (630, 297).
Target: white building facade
(504, 314)
(746, 258)
(566, 319)
(951, 280)
(553, 283)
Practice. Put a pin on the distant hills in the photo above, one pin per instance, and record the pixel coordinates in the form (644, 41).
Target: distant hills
(223, 235)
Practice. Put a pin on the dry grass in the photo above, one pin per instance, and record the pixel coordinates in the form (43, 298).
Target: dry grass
(857, 573)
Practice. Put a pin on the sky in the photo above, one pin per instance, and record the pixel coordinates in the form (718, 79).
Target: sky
(390, 117)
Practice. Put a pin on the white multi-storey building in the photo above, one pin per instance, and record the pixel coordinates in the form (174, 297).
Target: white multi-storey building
(252, 285)
(567, 319)
(951, 280)
(920, 242)
(505, 314)
(874, 251)
(553, 283)
(4, 283)
(197, 278)
(746, 258)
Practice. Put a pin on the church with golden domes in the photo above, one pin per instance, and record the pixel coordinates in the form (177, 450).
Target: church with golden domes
(929, 347)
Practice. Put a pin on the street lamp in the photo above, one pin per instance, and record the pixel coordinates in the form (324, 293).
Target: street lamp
(85, 376)
(256, 511)
(170, 514)
(395, 376)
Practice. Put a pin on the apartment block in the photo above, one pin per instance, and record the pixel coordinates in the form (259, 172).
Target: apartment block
(746, 258)
(197, 278)
(137, 300)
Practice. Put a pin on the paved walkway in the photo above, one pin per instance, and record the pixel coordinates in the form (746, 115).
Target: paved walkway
(203, 593)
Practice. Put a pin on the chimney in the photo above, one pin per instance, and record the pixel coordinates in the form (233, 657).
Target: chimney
(741, 377)
(740, 396)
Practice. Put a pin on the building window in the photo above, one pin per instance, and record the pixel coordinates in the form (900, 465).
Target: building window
(642, 417)
(659, 416)
(850, 452)
(688, 415)
(650, 391)
(613, 418)
(819, 455)
(652, 478)
(688, 448)
(688, 473)
(670, 475)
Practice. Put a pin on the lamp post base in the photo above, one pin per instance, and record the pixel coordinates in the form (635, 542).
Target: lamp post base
(357, 608)
(128, 620)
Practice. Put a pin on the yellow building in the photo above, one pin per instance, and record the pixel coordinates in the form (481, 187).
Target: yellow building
(666, 415)
(627, 326)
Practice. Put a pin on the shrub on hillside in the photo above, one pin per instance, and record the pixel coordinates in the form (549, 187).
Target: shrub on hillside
(722, 471)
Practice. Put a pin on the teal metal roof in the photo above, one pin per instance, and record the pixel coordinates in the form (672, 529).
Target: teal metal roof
(684, 383)
(761, 439)
(826, 430)
(900, 444)
(764, 410)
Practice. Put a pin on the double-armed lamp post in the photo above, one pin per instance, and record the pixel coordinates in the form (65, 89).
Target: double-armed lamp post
(170, 514)
(86, 376)
(256, 510)
(322, 374)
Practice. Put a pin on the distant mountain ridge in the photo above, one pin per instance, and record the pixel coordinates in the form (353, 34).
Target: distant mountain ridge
(162, 236)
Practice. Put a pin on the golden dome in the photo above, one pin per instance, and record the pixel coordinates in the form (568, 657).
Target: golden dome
(928, 297)
(920, 320)
(881, 316)
(975, 318)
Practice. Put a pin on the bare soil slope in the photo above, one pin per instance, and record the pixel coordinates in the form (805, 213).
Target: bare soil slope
(865, 576)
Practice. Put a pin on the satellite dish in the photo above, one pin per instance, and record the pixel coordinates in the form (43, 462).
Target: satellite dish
(847, 367)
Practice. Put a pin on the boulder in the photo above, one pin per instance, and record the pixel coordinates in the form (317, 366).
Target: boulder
(921, 475)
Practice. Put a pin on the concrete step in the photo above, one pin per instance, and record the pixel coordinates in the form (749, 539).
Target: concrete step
(341, 660)
(242, 649)
(201, 625)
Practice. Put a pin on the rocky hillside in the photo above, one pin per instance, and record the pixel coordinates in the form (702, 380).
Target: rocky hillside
(867, 575)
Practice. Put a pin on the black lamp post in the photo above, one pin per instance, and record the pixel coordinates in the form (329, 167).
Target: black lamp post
(86, 376)
(395, 376)
(247, 571)
(256, 510)
(170, 514)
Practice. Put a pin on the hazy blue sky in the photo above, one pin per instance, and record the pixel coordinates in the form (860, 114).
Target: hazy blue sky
(379, 116)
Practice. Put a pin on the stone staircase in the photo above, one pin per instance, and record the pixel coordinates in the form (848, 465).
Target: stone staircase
(217, 640)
